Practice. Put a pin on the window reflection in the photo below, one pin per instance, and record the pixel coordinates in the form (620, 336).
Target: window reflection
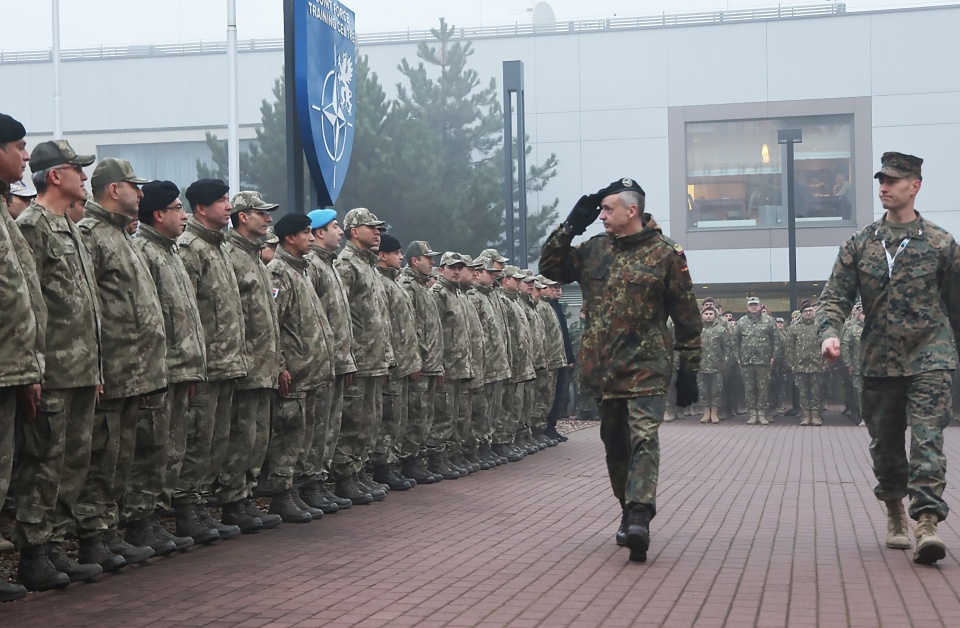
(736, 178)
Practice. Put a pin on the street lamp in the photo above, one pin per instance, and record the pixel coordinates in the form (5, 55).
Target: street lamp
(791, 137)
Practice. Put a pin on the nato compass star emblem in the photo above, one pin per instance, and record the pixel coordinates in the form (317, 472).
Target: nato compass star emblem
(335, 106)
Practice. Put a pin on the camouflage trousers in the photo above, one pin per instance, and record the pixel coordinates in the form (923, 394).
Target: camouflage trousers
(421, 395)
(177, 406)
(394, 422)
(247, 447)
(711, 388)
(334, 421)
(629, 429)
(149, 469)
(561, 402)
(111, 458)
(313, 458)
(446, 412)
(858, 387)
(504, 428)
(54, 461)
(487, 405)
(585, 403)
(287, 436)
(525, 409)
(8, 417)
(922, 403)
(208, 436)
(808, 388)
(463, 439)
(546, 394)
(360, 425)
(756, 386)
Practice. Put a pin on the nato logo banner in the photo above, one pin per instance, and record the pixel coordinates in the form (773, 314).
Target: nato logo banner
(326, 52)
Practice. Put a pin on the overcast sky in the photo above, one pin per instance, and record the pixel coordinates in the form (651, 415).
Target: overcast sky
(90, 23)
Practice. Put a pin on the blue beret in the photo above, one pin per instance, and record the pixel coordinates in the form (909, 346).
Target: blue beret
(321, 217)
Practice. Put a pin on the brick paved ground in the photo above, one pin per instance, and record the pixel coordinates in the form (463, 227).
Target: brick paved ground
(767, 526)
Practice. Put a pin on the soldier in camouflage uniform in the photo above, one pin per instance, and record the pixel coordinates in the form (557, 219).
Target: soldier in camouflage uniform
(453, 395)
(23, 324)
(521, 356)
(469, 426)
(556, 359)
(496, 356)
(221, 311)
(584, 403)
(307, 346)
(326, 281)
(422, 391)
(804, 360)
(162, 419)
(715, 353)
(755, 339)
(255, 392)
(56, 445)
(850, 347)
(363, 397)
(633, 279)
(134, 366)
(906, 271)
(529, 409)
(406, 351)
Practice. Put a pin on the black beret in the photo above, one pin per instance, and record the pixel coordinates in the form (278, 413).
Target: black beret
(805, 304)
(206, 191)
(291, 224)
(157, 195)
(10, 130)
(389, 244)
(621, 185)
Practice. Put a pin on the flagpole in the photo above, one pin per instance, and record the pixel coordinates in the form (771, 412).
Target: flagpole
(57, 129)
(233, 138)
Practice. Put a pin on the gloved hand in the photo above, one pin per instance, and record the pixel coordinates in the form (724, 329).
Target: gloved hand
(583, 213)
(687, 393)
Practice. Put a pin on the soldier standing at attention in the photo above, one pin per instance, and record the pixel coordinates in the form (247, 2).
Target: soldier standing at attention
(755, 338)
(524, 375)
(56, 452)
(806, 363)
(23, 323)
(714, 355)
(467, 424)
(556, 360)
(905, 269)
(529, 410)
(218, 299)
(255, 392)
(162, 421)
(633, 279)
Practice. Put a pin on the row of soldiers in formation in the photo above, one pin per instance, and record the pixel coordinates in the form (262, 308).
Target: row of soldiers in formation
(753, 364)
(168, 369)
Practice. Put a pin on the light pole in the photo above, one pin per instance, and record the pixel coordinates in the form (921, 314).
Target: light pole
(791, 137)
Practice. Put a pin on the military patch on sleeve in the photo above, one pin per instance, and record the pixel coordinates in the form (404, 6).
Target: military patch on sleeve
(276, 291)
(676, 247)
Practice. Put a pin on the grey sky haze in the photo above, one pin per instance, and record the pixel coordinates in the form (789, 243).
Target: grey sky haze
(92, 23)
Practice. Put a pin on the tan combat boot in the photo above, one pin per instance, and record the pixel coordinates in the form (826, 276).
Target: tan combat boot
(763, 416)
(815, 418)
(706, 415)
(805, 416)
(714, 414)
(929, 547)
(897, 529)
(753, 418)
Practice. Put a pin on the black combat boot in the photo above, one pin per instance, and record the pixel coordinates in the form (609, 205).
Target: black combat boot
(622, 530)
(385, 474)
(638, 532)
(423, 463)
(340, 502)
(411, 469)
(225, 531)
(366, 477)
(235, 514)
(37, 573)
(288, 510)
(268, 521)
(395, 470)
(458, 465)
(373, 489)
(485, 453)
(133, 554)
(12, 592)
(438, 466)
(315, 513)
(182, 543)
(74, 570)
(551, 432)
(140, 533)
(188, 524)
(94, 551)
(347, 488)
(474, 457)
(506, 452)
(313, 496)
(463, 459)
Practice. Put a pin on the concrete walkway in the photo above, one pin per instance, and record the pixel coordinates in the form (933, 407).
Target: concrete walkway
(767, 526)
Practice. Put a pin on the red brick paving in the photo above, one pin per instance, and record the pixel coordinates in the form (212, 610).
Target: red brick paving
(765, 526)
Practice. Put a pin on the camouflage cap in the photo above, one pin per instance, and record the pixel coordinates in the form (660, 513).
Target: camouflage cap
(451, 259)
(528, 275)
(56, 153)
(360, 217)
(545, 281)
(420, 248)
(753, 300)
(494, 254)
(270, 238)
(470, 262)
(489, 264)
(899, 166)
(114, 171)
(250, 201)
(19, 189)
(513, 272)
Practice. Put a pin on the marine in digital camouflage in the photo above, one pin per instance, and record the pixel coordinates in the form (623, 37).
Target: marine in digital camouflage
(756, 338)
(716, 346)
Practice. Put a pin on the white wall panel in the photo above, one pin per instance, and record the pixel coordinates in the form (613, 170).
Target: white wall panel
(915, 52)
(623, 69)
(707, 65)
(623, 124)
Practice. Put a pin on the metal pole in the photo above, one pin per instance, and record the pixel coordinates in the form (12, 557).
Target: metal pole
(508, 171)
(295, 200)
(791, 228)
(233, 136)
(57, 128)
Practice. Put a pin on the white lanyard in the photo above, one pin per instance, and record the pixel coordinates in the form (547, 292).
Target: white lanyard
(892, 258)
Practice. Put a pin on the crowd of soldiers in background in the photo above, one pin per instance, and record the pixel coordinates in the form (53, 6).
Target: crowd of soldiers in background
(762, 366)
(193, 366)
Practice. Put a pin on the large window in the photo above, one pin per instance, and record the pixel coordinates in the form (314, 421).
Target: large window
(736, 173)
